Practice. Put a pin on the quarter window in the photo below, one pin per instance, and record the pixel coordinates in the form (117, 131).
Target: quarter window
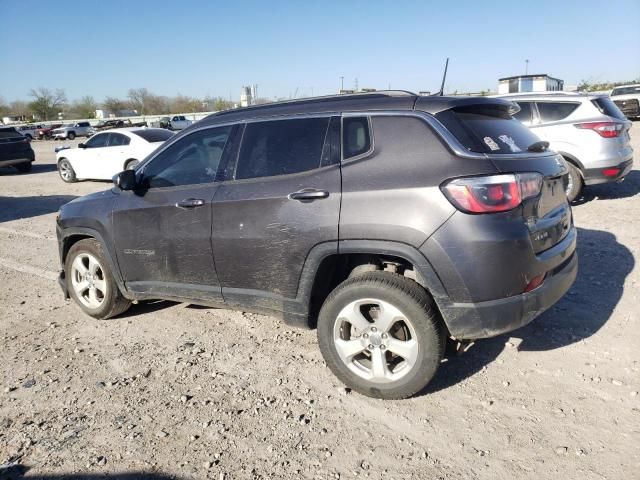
(281, 147)
(525, 113)
(192, 160)
(356, 138)
(554, 111)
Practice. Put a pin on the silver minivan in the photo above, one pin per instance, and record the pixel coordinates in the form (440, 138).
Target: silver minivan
(588, 130)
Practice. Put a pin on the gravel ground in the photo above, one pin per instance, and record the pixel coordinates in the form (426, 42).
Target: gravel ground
(171, 390)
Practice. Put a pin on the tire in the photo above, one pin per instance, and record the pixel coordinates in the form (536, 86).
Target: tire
(29, 136)
(131, 164)
(415, 329)
(90, 282)
(71, 136)
(23, 167)
(573, 182)
(66, 171)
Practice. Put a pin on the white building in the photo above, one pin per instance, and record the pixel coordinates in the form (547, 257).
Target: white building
(529, 83)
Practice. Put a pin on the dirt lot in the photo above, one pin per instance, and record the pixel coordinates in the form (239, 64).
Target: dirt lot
(179, 391)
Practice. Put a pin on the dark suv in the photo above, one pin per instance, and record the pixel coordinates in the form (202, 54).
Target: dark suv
(389, 221)
(15, 150)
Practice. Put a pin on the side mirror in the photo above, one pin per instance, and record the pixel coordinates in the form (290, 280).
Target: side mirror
(125, 180)
(82, 145)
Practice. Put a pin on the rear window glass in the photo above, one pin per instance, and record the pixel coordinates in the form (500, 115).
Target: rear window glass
(154, 135)
(554, 111)
(488, 132)
(607, 107)
(9, 132)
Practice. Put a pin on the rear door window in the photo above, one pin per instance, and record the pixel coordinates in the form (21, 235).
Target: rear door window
(607, 107)
(555, 111)
(281, 147)
(487, 130)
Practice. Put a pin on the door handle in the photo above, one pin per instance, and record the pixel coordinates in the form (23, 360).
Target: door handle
(190, 203)
(308, 195)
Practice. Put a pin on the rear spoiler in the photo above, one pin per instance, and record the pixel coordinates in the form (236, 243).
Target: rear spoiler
(435, 105)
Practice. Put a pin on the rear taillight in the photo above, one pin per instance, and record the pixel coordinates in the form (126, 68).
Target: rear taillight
(494, 193)
(610, 172)
(604, 129)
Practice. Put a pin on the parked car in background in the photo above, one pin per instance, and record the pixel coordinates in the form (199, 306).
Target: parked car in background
(72, 130)
(588, 130)
(388, 220)
(44, 133)
(29, 131)
(15, 150)
(177, 122)
(627, 98)
(117, 123)
(107, 153)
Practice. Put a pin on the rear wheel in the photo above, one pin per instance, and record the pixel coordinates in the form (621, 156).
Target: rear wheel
(573, 182)
(381, 335)
(91, 283)
(66, 171)
(23, 167)
(131, 164)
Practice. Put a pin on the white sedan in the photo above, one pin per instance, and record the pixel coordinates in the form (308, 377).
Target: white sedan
(108, 153)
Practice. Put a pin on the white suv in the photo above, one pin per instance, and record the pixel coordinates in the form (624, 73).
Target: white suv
(588, 130)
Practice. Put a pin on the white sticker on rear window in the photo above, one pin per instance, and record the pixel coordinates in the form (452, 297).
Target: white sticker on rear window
(509, 141)
(491, 143)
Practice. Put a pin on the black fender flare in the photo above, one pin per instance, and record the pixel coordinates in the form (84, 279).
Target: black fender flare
(428, 276)
(65, 233)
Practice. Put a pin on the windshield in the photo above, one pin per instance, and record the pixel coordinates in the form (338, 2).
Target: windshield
(488, 131)
(625, 90)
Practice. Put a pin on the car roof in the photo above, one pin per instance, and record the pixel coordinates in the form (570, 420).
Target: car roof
(387, 100)
(551, 96)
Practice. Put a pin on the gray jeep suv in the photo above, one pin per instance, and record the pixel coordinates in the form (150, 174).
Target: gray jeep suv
(389, 221)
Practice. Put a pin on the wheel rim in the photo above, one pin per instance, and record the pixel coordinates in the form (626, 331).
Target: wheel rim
(569, 183)
(88, 280)
(65, 171)
(132, 164)
(375, 340)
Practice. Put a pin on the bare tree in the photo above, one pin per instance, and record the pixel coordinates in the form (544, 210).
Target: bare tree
(46, 104)
(113, 104)
(139, 99)
(84, 108)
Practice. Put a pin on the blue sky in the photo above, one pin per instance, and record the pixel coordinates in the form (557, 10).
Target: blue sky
(200, 48)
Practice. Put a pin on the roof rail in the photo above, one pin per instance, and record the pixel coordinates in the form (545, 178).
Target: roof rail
(377, 93)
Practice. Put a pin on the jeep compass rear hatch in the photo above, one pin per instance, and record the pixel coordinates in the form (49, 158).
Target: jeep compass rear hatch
(531, 179)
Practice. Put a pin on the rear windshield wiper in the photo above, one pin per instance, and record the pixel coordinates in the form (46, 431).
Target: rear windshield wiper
(539, 146)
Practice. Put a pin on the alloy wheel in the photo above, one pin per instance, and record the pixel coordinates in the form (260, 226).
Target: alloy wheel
(88, 280)
(375, 340)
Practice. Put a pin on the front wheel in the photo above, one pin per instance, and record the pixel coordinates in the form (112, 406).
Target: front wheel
(381, 335)
(91, 283)
(71, 136)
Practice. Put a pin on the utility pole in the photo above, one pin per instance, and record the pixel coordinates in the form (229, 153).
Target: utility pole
(526, 66)
(356, 84)
(341, 83)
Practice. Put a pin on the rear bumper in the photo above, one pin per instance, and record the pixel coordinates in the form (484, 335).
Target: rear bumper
(486, 319)
(594, 176)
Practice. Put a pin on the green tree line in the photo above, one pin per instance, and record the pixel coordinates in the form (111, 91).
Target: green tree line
(46, 104)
